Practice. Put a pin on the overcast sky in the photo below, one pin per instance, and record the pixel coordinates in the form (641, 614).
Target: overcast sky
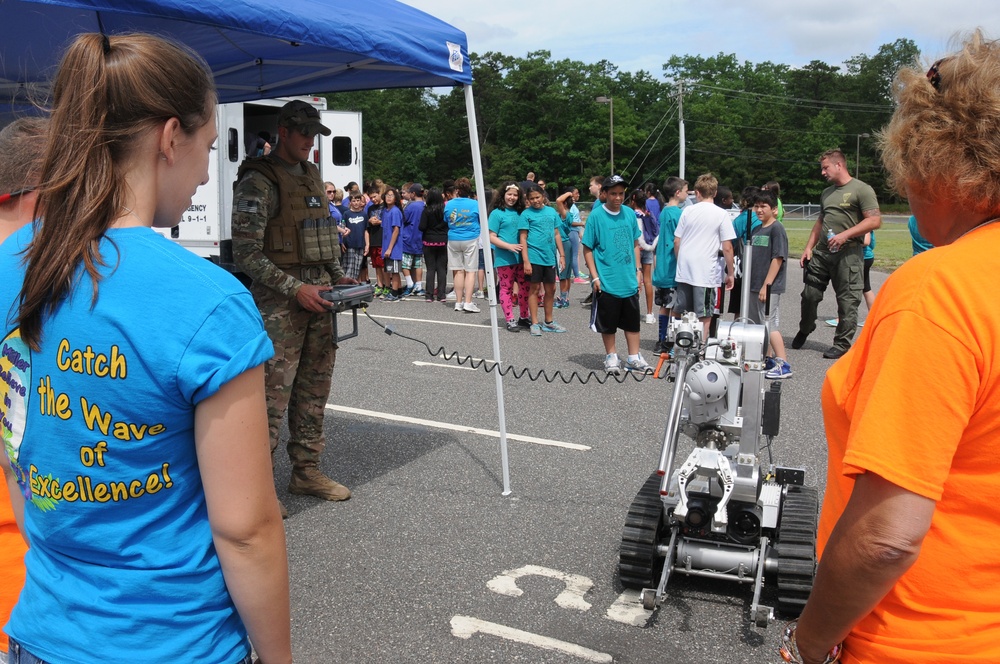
(643, 34)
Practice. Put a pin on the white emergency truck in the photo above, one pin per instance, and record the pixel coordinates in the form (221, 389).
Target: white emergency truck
(205, 227)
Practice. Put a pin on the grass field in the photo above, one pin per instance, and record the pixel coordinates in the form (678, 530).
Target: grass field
(892, 242)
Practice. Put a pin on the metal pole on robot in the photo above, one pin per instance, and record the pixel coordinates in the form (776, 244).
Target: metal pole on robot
(747, 252)
(750, 386)
(671, 434)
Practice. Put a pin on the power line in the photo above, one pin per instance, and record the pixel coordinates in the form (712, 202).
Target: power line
(670, 109)
(665, 160)
(799, 103)
(784, 98)
(650, 150)
(758, 157)
(795, 131)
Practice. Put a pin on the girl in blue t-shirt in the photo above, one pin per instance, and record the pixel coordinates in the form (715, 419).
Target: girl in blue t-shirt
(146, 489)
(649, 225)
(392, 244)
(505, 224)
(868, 293)
(540, 243)
(563, 205)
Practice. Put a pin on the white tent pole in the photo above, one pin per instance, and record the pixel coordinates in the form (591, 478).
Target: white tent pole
(484, 234)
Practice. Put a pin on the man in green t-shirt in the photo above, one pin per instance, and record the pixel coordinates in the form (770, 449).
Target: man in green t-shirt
(835, 251)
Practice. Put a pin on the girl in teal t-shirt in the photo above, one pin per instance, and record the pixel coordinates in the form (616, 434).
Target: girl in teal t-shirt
(540, 243)
(505, 225)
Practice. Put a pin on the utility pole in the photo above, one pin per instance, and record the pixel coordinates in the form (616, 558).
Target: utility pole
(680, 116)
(857, 155)
(609, 100)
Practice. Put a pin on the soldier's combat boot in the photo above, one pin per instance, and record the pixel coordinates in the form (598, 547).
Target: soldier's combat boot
(309, 481)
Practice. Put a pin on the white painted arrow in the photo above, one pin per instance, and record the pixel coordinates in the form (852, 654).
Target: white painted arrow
(464, 627)
(628, 609)
(571, 598)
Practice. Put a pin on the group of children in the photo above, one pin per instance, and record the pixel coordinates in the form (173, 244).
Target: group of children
(381, 228)
(683, 259)
(694, 260)
(530, 240)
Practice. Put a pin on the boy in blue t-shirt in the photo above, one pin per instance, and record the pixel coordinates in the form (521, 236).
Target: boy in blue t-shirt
(413, 243)
(539, 245)
(675, 190)
(611, 249)
(355, 222)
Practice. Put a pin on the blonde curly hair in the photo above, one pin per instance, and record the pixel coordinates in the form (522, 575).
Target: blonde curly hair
(945, 131)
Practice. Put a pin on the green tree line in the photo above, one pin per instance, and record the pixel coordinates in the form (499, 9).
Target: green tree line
(745, 122)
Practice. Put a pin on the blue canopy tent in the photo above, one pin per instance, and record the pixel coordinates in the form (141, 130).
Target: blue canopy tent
(260, 49)
(256, 49)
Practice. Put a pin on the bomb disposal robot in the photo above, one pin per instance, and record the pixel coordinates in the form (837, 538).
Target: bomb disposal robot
(721, 514)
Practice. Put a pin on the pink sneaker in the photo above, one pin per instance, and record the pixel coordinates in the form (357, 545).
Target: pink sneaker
(581, 280)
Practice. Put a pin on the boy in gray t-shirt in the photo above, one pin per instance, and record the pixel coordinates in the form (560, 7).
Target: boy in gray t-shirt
(767, 278)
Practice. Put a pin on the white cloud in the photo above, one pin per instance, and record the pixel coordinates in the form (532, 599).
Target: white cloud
(643, 34)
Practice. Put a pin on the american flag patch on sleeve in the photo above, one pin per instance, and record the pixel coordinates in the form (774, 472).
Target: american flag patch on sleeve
(247, 206)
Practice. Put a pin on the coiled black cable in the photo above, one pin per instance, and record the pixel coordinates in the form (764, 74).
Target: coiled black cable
(490, 366)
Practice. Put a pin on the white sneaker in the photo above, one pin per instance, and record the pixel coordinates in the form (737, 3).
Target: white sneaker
(459, 307)
(650, 318)
(639, 364)
(612, 365)
(471, 308)
(450, 297)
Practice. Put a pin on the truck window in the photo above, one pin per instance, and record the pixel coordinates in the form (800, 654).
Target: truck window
(234, 145)
(343, 153)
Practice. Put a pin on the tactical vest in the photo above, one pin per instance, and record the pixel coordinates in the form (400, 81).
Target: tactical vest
(302, 233)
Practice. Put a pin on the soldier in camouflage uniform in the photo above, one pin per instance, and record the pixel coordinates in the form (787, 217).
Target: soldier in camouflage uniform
(284, 238)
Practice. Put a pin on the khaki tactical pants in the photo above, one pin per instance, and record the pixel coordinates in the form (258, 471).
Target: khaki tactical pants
(845, 269)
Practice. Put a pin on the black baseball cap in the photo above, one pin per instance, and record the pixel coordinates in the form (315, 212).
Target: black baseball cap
(298, 114)
(613, 181)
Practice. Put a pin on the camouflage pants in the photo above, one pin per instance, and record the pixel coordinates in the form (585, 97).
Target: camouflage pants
(298, 377)
(845, 269)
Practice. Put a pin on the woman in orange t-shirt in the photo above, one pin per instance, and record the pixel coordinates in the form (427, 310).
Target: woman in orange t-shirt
(12, 548)
(908, 570)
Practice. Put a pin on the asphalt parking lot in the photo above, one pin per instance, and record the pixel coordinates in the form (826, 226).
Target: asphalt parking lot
(428, 562)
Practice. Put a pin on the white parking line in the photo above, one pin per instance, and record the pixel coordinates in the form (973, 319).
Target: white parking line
(422, 320)
(457, 427)
(451, 357)
(438, 364)
(464, 627)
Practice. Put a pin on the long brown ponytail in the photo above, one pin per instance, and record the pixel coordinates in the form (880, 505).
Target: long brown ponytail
(107, 93)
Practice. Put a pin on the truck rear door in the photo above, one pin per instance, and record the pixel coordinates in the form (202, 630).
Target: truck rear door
(340, 152)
